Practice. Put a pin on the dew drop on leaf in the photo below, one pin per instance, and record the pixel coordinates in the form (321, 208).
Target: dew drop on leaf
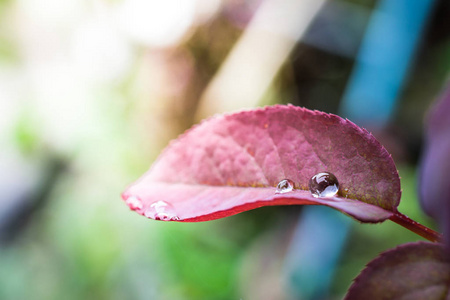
(323, 184)
(134, 203)
(161, 210)
(284, 186)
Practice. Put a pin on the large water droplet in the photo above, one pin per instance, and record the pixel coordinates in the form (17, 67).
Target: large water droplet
(323, 185)
(134, 203)
(161, 210)
(284, 186)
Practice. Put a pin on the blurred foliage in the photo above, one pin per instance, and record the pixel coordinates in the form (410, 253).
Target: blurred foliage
(82, 242)
(26, 135)
(368, 241)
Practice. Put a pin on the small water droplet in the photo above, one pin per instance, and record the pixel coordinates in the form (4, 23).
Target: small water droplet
(134, 203)
(284, 186)
(161, 210)
(323, 184)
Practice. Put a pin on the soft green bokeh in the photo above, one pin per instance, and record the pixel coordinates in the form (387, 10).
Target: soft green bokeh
(105, 115)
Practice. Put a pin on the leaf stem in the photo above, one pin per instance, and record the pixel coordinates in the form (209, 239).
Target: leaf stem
(416, 227)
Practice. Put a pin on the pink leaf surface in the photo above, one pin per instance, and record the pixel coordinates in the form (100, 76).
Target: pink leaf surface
(233, 163)
(411, 271)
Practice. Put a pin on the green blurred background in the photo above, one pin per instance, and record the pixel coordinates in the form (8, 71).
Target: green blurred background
(92, 91)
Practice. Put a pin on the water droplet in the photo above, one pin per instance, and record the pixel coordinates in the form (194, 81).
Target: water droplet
(323, 185)
(161, 210)
(134, 203)
(284, 186)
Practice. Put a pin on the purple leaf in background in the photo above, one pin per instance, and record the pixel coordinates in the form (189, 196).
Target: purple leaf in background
(434, 185)
(412, 271)
(232, 163)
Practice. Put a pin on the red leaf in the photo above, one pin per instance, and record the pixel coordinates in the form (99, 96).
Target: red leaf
(410, 271)
(232, 163)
